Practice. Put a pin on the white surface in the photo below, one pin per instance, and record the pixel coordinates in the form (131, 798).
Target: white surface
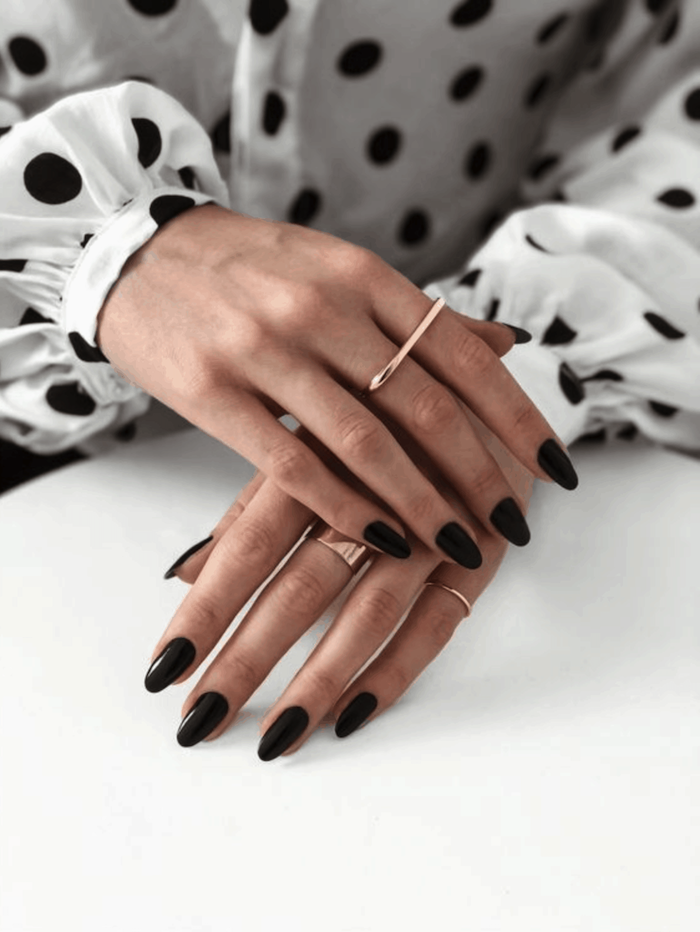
(542, 774)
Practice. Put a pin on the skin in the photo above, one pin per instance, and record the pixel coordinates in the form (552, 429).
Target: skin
(231, 321)
(305, 586)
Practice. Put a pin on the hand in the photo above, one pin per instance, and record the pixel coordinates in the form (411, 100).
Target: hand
(231, 321)
(227, 572)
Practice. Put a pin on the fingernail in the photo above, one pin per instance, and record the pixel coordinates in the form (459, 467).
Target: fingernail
(508, 519)
(354, 714)
(521, 336)
(170, 664)
(185, 556)
(457, 544)
(557, 465)
(283, 732)
(207, 712)
(384, 537)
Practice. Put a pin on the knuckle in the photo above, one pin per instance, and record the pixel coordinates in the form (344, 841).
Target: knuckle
(423, 509)
(255, 542)
(206, 614)
(379, 611)
(322, 684)
(362, 436)
(399, 678)
(525, 418)
(443, 625)
(301, 590)
(470, 354)
(243, 671)
(434, 409)
(290, 464)
(297, 306)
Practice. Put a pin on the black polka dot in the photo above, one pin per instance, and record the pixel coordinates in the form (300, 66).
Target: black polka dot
(466, 83)
(153, 7)
(491, 221)
(414, 228)
(605, 375)
(32, 316)
(493, 309)
(470, 12)
(670, 30)
(598, 436)
(167, 206)
(139, 77)
(471, 278)
(12, 265)
(624, 136)
(558, 333)
(657, 6)
(535, 245)
(559, 195)
(126, 433)
(266, 15)
(84, 350)
(570, 384)
(305, 206)
(4, 130)
(51, 179)
(628, 433)
(187, 177)
(662, 410)
(221, 134)
(537, 91)
(28, 55)
(551, 28)
(542, 166)
(677, 197)
(478, 161)
(85, 240)
(150, 142)
(383, 145)
(663, 326)
(359, 58)
(691, 104)
(69, 399)
(274, 110)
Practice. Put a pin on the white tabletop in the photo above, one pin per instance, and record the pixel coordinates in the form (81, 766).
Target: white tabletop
(543, 775)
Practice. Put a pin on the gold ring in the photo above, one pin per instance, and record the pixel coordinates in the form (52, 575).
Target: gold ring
(459, 595)
(352, 553)
(381, 377)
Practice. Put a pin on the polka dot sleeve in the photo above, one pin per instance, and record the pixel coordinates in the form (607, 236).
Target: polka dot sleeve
(83, 185)
(607, 279)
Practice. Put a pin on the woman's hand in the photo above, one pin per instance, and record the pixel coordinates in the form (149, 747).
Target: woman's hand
(228, 570)
(231, 321)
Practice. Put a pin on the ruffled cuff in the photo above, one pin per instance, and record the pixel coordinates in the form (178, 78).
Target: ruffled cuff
(84, 185)
(613, 314)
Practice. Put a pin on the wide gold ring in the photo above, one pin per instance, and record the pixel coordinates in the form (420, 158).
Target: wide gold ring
(350, 551)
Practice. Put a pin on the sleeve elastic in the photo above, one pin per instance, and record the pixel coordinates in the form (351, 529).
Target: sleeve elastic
(607, 279)
(83, 185)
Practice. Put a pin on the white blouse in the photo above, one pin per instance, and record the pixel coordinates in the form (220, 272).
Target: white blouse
(531, 161)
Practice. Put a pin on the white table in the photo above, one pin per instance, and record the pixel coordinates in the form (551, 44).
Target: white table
(543, 775)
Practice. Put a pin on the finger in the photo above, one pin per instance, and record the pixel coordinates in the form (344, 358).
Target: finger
(456, 355)
(188, 566)
(428, 628)
(242, 422)
(369, 615)
(361, 441)
(288, 606)
(254, 544)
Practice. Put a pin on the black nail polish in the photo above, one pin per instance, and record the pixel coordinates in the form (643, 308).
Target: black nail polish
(207, 712)
(170, 664)
(384, 537)
(185, 556)
(507, 518)
(355, 713)
(283, 732)
(457, 544)
(557, 465)
(521, 336)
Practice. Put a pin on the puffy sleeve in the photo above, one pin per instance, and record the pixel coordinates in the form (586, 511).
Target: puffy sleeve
(83, 184)
(606, 276)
